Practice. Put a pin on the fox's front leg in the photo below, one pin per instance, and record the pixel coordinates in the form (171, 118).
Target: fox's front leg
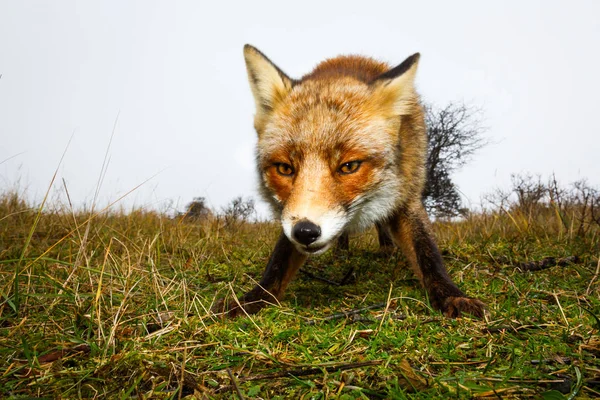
(386, 243)
(410, 230)
(283, 264)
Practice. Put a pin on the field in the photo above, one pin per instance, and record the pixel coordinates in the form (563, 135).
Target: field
(116, 305)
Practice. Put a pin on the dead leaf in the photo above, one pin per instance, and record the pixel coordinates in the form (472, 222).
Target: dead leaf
(410, 379)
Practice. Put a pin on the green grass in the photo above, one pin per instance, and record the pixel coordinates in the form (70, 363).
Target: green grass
(123, 312)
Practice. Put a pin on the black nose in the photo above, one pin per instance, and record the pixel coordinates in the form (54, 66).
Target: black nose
(306, 232)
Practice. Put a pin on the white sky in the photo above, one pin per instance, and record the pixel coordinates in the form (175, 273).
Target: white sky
(174, 71)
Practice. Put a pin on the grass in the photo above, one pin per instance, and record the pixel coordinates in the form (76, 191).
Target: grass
(115, 305)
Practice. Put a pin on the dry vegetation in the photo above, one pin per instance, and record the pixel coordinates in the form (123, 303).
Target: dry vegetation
(115, 305)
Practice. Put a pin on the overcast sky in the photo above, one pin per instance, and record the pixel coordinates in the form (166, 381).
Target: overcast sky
(173, 72)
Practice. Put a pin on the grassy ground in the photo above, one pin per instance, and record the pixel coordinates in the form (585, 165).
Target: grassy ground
(116, 306)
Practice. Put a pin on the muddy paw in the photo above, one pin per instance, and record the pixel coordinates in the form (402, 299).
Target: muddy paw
(230, 308)
(453, 307)
(226, 308)
(220, 307)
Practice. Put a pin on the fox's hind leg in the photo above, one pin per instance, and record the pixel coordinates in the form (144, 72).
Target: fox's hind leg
(343, 242)
(386, 243)
(411, 232)
(283, 264)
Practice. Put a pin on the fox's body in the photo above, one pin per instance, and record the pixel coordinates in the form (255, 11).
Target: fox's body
(339, 150)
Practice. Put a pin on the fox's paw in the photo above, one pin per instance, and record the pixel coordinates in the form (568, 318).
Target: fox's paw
(227, 308)
(230, 308)
(453, 307)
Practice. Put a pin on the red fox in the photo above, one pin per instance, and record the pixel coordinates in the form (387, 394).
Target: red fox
(339, 150)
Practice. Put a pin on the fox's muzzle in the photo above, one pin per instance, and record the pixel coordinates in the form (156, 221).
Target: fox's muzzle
(312, 217)
(314, 234)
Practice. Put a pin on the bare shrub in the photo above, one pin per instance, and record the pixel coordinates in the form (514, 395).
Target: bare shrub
(455, 134)
(237, 212)
(197, 210)
(534, 202)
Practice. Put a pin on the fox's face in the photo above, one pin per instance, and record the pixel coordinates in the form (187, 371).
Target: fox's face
(328, 149)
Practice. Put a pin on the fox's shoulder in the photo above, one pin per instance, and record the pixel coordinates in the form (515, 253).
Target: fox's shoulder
(362, 68)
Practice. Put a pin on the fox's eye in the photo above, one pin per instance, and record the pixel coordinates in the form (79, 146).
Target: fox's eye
(349, 167)
(284, 169)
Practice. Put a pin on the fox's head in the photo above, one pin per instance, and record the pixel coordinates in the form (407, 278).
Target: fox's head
(330, 152)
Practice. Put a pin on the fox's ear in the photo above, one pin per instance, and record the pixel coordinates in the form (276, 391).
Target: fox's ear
(395, 88)
(269, 84)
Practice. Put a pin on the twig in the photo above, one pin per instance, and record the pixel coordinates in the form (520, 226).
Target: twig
(235, 384)
(318, 278)
(547, 262)
(311, 371)
(346, 314)
(459, 362)
(509, 380)
(345, 280)
(301, 372)
(500, 328)
(557, 360)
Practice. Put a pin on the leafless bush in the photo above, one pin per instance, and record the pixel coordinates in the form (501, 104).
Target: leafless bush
(578, 206)
(197, 210)
(532, 194)
(455, 134)
(535, 202)
(237, 212)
